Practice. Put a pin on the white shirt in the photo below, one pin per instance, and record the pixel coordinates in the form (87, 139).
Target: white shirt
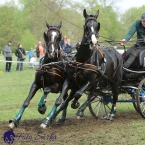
(33, 59)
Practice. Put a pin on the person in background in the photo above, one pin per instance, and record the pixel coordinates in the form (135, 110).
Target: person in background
(62, 42)
(31, 53)
(67, 48)
(78, 44)
(40, 51)
(8, 56)
(33, 62)
(64, 45)
(133, 51)
(19, 52)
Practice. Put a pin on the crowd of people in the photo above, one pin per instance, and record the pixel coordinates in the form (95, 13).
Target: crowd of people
(67, 47)
(20, 53)
(34, 59)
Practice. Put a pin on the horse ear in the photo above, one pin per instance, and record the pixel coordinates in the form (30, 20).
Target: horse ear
(85, 13)
(45, 37)
(97, 14)
(98, 28)
(60, 36)
(47, 25)
(60, 24)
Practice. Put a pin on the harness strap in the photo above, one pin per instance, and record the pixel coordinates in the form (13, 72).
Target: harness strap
(42, 80)
(92, 70)
(57, 69)
(85, 64)
(101, 52)
(54, 74)
(90, 18)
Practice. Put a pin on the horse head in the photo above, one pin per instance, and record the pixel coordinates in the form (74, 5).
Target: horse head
(52, 39)
(91, 28)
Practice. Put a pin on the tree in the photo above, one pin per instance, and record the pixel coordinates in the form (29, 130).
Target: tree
(7, 27)
(28, 40)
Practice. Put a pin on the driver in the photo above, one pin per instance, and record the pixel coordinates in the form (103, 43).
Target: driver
(133, 51)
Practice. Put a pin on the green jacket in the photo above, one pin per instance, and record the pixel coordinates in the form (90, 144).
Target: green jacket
(136, 27)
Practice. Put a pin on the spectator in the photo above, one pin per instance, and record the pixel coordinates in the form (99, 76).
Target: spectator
(67, 48)
(64, 45)
(8, 56)
(62, 42)
(31, 53)
(78, 44)
(20, 52)
(33, 62)
(40, 51)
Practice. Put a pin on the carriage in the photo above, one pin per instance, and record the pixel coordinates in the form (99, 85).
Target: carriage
(133, 84)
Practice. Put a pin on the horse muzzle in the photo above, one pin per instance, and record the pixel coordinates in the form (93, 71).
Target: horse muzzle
(94, 40)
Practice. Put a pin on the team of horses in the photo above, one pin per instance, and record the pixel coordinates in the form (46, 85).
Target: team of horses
(58, 73)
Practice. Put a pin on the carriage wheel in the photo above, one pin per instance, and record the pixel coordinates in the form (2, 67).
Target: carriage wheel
(101, 106)
(140, 98)
(134, 103)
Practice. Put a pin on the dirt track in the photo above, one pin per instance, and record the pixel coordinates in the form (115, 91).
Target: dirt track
(73, 132)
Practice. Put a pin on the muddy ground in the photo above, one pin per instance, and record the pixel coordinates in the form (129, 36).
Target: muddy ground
(86, 131)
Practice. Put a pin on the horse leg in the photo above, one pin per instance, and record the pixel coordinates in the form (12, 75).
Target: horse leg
(115, 93)
(78, 94)
(48, 120)
(41, 106)
(63, 115)
(64, 106)
(75, 104)
(15, 121)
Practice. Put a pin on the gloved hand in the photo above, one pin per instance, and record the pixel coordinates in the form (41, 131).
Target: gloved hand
(122, 42)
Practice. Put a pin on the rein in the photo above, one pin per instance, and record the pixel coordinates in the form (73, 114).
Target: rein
(47, 70)
(85, 65)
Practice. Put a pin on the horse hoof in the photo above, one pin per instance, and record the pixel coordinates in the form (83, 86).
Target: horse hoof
(11, 125)
(80, 113)
(78, 117)
(111, 118)
(107, 117)
(75, 105)
(42, 110)
(59, 121)
(44, 126)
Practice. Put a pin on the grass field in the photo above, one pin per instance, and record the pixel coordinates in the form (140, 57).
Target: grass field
(127, 129)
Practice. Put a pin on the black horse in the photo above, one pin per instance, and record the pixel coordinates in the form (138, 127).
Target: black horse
(91, 67)
(49, 75)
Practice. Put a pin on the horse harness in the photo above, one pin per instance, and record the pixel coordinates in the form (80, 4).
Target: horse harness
(52, 69)
(88, 66)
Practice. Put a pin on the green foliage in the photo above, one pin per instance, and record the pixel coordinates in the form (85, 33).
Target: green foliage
(28, 40)
(29, 17)
(8, 29)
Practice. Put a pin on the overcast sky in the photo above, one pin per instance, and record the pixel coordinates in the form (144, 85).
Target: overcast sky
(126, 4)
(123, 5)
